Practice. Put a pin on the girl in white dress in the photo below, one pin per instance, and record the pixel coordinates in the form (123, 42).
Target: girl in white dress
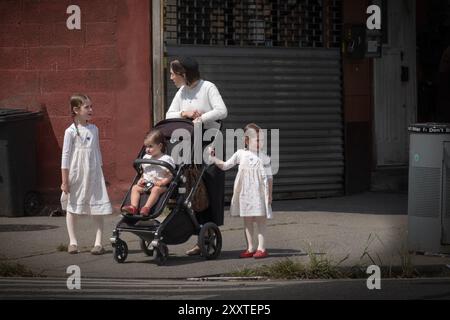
(83, 184)
(252, 194)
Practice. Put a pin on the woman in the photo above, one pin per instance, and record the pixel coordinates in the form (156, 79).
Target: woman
(200, 101)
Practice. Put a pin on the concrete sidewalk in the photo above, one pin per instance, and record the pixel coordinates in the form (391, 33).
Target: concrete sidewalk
(337, 227)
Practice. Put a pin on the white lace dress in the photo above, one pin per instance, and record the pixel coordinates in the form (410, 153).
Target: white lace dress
(81, 155)
(251, 187)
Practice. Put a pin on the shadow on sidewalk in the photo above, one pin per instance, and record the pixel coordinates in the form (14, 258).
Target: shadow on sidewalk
(366, 203)
(179, 260)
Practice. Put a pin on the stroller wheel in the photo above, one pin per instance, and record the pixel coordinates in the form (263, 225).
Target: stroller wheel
(210, 241)
(161, 254)
(120, 251)
(146, 247)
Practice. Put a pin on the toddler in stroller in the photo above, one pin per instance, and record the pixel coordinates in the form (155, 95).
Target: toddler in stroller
(181, 223)
(154, 178)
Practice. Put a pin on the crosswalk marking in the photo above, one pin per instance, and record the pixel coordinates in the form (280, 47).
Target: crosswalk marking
(56, 288)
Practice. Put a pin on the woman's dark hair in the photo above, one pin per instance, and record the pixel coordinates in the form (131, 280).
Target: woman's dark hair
(156, 137)
(186, 67)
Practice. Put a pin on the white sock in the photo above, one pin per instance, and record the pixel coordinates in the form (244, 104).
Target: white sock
(248, 227)
(261, 223)
(71, 221)
(98, 221)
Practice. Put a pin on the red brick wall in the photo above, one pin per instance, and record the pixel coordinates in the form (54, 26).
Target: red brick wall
(42, 63)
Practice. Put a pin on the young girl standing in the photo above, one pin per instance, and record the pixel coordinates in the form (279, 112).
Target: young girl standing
(83, 184)
(252, 195)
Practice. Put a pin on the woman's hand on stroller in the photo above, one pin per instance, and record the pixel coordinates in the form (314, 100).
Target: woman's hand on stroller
(191, 114)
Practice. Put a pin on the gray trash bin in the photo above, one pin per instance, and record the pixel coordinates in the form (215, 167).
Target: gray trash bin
(429, 188)
(18, 196)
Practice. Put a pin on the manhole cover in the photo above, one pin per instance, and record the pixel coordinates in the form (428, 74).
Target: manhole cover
(25, 227)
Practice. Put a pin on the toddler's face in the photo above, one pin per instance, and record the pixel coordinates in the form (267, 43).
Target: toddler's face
(254, 140)
(153, 149)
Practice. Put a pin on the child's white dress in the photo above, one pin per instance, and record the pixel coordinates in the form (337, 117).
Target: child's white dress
(251, 187)
(154, 172)
(81, 155)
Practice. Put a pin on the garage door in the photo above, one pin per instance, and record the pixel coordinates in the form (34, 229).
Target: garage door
(297, 91)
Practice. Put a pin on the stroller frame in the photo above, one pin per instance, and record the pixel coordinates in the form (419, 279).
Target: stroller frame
(176, 228)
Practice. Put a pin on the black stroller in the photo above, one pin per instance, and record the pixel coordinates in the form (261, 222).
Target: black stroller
(181, 223)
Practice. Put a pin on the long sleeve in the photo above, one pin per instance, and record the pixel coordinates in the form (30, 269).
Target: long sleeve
(233, 161)
(67, 150)
(219, 110)
(267, 162)
(99, 151)
(174, 111)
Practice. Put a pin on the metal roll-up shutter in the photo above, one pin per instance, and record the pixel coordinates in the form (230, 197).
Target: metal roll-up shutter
(295, 90)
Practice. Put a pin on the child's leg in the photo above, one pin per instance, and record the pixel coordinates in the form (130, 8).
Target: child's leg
(98, 222)
(248, 228)
(136, 192)
(261, 223)
(71, 221)
(155, 193)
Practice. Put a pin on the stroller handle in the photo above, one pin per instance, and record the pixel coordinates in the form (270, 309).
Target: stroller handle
(139, 162)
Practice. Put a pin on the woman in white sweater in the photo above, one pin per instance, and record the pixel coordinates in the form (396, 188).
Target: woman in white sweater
(196, 98)
(200, 101)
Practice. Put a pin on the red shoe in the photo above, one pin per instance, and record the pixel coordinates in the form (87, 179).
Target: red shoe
(132, 210)
(246, 254)
(145, 211)
(260, 254)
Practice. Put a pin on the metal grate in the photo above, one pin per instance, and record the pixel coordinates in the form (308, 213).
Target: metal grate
(264, 23)
(426, 192)
(295, 90)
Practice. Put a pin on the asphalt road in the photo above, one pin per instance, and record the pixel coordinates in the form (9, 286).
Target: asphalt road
(179, 290)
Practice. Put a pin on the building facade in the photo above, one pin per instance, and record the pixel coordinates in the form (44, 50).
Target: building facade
(278, 63)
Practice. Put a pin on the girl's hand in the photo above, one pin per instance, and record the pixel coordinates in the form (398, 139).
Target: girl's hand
(65, 188)
(270, 200)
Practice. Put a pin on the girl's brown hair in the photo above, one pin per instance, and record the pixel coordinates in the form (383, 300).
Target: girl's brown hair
(77, 101)
(186, 67)
(156, 137)
(251, 126)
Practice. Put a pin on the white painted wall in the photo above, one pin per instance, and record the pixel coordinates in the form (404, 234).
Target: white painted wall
(395, 102)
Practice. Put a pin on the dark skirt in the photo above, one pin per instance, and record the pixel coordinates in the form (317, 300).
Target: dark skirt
(214, 179)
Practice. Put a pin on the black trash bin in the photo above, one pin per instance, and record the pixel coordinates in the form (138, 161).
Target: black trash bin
(18, 131)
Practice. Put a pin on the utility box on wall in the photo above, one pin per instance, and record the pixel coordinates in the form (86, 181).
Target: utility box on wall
(429, 188)
(361, 43)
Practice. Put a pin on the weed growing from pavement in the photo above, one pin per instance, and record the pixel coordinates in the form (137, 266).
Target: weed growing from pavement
(62, 248)
(320, 266)
(8, 269)
(407, 269)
